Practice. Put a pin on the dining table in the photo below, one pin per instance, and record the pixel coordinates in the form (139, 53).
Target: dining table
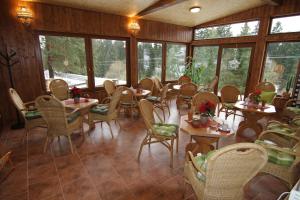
(252, 113)
(139, 93)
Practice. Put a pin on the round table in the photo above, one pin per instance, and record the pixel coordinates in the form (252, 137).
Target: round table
(176, 87)
(142, 93)
(252, 113)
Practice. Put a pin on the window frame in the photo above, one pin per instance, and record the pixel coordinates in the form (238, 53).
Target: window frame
(280, 16)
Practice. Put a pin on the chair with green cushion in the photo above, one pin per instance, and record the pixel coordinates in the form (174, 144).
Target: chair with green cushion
(223, 173)
(59, 121)
(157, 132)
(283, 153)
(32, 118)
(106, 112)
(229, 96)
(267, 96)
(292, 128)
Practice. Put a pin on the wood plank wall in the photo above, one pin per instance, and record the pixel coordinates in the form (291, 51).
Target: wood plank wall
(264, 14)
(27, 74)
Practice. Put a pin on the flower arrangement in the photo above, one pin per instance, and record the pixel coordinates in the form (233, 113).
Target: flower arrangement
(75, 92)
(256, 96)
(207, 108)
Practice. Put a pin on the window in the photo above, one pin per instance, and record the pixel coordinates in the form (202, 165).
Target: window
(149, 60)
(109, 58)
(281, 63)
(64, 58)
(229, 30)
(175, 63)
(206, 57)
(285, 24)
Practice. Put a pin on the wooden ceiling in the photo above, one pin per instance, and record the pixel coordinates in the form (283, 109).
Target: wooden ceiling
(170, 11)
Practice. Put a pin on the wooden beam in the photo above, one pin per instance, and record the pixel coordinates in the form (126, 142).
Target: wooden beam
(273, 2)
(158, 6)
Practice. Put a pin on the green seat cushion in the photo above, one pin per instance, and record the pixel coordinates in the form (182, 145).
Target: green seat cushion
(165, 129)
(267, 96)
(229, 105)
(153, 98)
(278, 157)
(72, 117)
(296, 122)
(294, 110)
(29, 115)
(100, 109)
(132, 103)
(201, 161)
(186, 97)
(280, 129)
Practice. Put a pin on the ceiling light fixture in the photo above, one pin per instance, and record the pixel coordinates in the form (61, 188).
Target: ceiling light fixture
(195, 9)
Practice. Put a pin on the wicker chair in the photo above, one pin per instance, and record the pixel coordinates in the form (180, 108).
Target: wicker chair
(106, 112)
(203, 97)
(157, 86)
(265, 86)
(157, 132)
(161, 101)
(128, 101)
(222, 174)
(4, 160)
(184, 79)
(60, 89)
(229, 96)
(59, 121)
(284, 154)
(32, 118)
(110, 88)
(186, 93)
(147, 84)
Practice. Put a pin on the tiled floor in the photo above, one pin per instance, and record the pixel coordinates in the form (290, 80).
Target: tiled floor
(101, 167)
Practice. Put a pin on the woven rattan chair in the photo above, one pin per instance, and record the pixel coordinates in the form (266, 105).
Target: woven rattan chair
(157, 132)
(203, 97)
(147, 84)
(184, 79)
(110, 88)
(128, 101)
(265, 86)
(59, 88)
(157, 86)
(33, 118)
(223, 173)
(4, 161)
(211, 86)
(106, 112)
(59, 121)
(284, 154)
(229, 96)
(186, 93)
(161, 101)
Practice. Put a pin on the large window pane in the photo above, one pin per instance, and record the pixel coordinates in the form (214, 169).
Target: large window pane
(64, 58)
(175, 64)
(281, 63)
(285, 24)
(229, 30)
(234, 67)
(149, 59)
(207, 58)
(109, 58)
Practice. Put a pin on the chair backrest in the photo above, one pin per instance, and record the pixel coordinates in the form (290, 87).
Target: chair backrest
(115, 99)
(229, 94)
(203, 97)
(230, 168)
(188, 89)
(146, 108)
(59, 88)
(109, 87)
(164, 91)
(127, 95)
(53, 112)
(157, 86)
(147, 84)
(16, 99)
(266, 86)
(213, 83)
(184, 79)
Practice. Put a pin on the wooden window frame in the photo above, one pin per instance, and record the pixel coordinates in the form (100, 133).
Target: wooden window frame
(281, 16)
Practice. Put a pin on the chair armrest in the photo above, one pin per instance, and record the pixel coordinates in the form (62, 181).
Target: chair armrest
(29, 103)
(195, 164)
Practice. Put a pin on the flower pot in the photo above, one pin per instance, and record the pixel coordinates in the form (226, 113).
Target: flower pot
(204, 119)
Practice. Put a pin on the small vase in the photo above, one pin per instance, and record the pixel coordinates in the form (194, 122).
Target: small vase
(204, 119)
(76, 99)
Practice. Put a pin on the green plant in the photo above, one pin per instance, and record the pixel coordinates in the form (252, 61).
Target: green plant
(289, 83)
(194, 71)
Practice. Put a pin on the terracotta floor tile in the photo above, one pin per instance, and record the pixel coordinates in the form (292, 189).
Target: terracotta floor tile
(71, 173)
(62, 162)
(20, 196)
(40, 172)
(112, 189)
(46, 188)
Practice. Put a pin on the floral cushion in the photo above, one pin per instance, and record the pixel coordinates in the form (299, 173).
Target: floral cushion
(278, 157)
(100, 109)
(165, 129)
(295, 110)
(280, 129)
(201, 161)
(153, 98)
(30, 115)
(72, 117)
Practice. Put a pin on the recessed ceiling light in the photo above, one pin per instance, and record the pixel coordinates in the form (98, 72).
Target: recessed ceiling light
(195, 9)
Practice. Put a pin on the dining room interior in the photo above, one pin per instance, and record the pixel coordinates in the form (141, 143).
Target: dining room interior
(156, 99)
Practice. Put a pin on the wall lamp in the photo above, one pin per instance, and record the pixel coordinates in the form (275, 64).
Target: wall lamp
(25, 15)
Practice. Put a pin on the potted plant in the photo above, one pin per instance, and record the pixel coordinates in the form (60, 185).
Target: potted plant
(206, 110)
(288, 86)
(76, 94)
(194, 71)
(255, 97)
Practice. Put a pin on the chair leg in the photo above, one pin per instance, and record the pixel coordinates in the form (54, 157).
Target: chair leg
(141, 147)
(177, 141)
(171, 153)
(70, 142)
(112, 135)
(46, 144)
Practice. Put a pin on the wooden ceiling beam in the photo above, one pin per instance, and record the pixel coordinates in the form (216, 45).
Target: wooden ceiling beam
(273, 2)
(161, 4)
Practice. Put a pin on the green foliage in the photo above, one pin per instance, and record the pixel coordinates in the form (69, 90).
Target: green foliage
(194, 71)
(289, 83)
